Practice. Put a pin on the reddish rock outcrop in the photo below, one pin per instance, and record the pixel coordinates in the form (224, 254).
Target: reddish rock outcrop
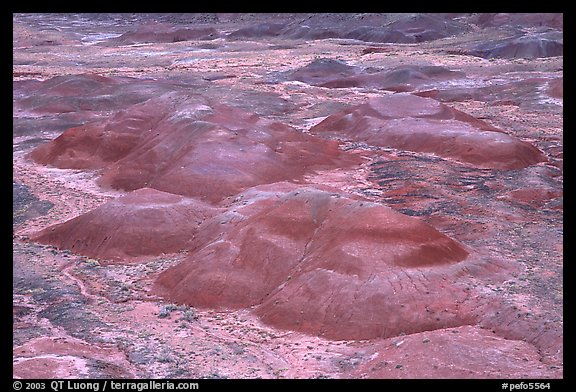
(321, 262)
(189, 146)
(412, 123)
(144, 222)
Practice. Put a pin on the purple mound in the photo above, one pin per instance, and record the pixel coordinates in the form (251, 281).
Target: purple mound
(163, 33)
(321, 71)
(332, 73)
(89, 93)
(368, 28)
(528, 47)
(400, 79)
(410, 29)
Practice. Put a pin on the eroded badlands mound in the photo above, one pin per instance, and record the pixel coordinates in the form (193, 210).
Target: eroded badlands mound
(527, 93)
(526, 46)
(337, 74)
(154, 33)
(409, 122)
(86, 92)
(405, 29)
(324, 263)
(190, 146)
(144, 222)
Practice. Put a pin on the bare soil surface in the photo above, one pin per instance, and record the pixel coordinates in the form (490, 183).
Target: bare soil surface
(83, 317)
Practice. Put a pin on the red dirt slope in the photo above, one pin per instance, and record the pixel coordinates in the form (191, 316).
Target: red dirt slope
(321, 262)
(144, 222)
(411, 123)
(190, 146)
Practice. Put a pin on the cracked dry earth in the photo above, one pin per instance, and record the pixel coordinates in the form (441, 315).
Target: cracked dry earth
(336, 256)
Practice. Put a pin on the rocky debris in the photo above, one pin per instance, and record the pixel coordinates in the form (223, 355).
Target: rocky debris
(412, 123)
(436, 189)
(144, 222)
